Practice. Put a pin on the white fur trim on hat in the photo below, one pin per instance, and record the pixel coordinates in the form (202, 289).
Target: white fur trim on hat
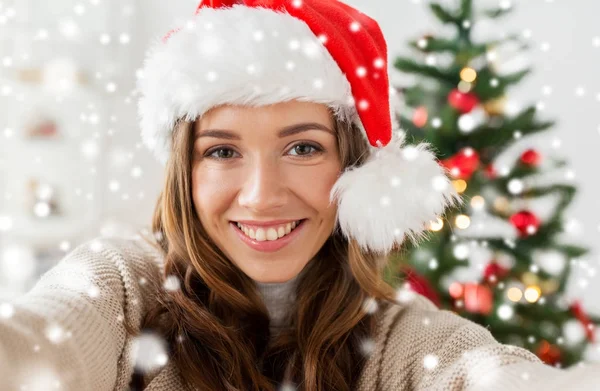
(393, 195)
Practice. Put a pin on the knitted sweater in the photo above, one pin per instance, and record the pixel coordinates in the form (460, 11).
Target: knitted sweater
(67, 333)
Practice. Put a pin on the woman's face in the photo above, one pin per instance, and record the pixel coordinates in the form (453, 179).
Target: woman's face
(266, 168)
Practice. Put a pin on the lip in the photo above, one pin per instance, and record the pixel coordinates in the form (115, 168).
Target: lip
(269, 245)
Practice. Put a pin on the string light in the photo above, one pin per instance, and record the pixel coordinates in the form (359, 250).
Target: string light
(436, 225)
(532, 293)
(462, 221)
(514, 294)
(468, 75)
(460, 185)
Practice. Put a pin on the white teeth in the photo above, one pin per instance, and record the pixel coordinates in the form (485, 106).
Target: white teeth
(270, 234)
(260, 235)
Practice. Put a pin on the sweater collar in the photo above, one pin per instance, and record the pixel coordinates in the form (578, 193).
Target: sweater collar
(278, 298)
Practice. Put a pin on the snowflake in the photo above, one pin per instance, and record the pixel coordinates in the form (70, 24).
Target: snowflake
(430, 361)
(55, 333)
(171, 283)
(370, 305)
(149, 353)
(6, 310)
(367, 347)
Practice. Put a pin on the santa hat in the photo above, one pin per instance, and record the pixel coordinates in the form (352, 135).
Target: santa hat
(261, 52)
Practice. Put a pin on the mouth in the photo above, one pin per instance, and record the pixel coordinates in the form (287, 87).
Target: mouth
(270, 239)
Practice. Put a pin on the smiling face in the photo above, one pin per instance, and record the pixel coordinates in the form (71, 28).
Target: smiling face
(256, 172)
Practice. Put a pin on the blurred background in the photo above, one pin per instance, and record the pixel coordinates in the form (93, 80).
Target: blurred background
(72, 166)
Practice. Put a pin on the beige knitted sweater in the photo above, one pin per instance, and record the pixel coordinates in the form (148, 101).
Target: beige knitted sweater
(67, 334)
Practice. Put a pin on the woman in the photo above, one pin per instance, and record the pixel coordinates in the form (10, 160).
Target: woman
(286, 187)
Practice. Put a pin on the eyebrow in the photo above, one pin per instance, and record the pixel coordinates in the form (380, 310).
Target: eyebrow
(285, 132)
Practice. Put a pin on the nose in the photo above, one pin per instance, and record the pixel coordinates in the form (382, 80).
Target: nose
(264, 190)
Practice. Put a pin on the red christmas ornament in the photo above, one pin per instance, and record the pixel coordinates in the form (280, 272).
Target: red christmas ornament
(463, 102)
(525, 222)
(531, 157)
(580, 314)
(548, 353)
(478, 298)
(463, 164)
(421, 285)
(420, 117)
(494, 272)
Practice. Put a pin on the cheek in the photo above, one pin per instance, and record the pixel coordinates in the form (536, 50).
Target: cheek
(211, 192)
(314, 184)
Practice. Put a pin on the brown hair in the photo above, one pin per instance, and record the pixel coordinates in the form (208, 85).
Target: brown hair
(217, 326)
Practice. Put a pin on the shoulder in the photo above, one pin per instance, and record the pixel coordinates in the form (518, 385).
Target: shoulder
(92, 293)
(131, 256)
(415, 329)
(128, 266)
(430, 346)
(419, 321)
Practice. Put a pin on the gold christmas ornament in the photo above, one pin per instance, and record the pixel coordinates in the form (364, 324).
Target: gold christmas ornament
(501, 204)
(549, 286)
(529, 278)
(495, 106)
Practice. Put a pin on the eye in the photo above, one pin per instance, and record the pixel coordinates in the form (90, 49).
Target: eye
(303, 149)
(221, 153)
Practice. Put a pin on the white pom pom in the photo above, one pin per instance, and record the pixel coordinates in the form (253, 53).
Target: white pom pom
(395, 194)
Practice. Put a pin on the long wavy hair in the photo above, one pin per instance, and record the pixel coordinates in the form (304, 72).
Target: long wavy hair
(217, 326)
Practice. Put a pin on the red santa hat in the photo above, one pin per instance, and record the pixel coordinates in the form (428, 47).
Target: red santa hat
(260, 52)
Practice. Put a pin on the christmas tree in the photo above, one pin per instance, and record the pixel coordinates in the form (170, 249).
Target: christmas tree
(496, 259)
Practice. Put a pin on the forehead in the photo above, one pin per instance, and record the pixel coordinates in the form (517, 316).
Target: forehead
(272, 116)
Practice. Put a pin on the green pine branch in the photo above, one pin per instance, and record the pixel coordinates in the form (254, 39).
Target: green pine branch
(497, 12)
(445, 16)
(567, 191)
(563, 279)
(438, 45)
(466, 9)
(503, 136)
(570, 250)
(449, 76)
(415, 96)
(521, 171)
(514, 78)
